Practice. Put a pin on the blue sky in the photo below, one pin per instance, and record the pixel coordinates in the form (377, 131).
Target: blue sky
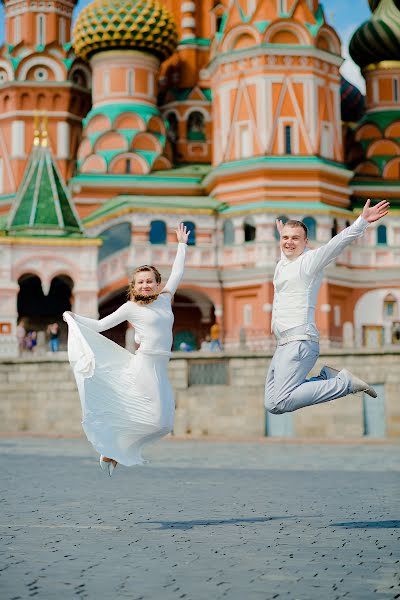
(344, 15)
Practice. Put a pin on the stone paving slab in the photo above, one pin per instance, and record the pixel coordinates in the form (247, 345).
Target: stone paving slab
(204, 520)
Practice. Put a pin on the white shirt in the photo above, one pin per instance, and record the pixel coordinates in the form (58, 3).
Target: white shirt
(297, 282)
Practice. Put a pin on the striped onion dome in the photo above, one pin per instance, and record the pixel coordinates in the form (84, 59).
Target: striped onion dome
(378, 38)
(125, 24)
(352, 101)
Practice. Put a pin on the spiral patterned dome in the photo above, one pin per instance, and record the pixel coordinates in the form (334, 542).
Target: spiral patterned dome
(352, 102)
(125, 24)
(378, 38)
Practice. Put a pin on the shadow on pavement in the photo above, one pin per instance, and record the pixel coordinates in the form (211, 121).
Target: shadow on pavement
(369, 524)
(206, 522)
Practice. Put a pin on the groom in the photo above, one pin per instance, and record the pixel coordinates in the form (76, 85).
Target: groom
(297, 279)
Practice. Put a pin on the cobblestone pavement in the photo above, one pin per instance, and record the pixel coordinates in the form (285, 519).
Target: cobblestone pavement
(204, 520)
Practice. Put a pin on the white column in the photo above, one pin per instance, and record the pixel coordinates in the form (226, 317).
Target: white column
(18, 139)
(63, 139)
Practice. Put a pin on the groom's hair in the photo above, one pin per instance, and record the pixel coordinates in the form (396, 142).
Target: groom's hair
(294, 223)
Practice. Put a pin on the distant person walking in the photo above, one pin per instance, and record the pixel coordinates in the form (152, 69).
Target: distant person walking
(297, 279)
(215, 334)
(53, 331)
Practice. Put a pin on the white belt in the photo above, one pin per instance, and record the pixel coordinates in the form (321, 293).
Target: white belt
(297, 338)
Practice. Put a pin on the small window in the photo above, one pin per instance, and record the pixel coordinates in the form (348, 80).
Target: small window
(334, 230)
(249, 231)
(284, 219)
(311, 225)
(196, 126)
(130, 82)
(62, 31)
(381, 235)
(288, 139)
(218, 23)
(395, 90)
(127, 166)
(17, 30)
(390, 307)
(158, 232)
(245, 141)
(229, 233)
(192, 236)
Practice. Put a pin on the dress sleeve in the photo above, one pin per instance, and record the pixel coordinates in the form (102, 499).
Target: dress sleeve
(318, 259)
(177, 269)
(119, 316)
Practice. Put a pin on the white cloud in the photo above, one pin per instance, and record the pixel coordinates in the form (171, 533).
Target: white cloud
(349, 69)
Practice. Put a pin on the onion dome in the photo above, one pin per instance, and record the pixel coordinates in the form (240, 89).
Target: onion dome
(352, 102)
(125, 24)
(378, 38)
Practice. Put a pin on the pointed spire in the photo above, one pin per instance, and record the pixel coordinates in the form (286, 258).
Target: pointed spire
(43, 205)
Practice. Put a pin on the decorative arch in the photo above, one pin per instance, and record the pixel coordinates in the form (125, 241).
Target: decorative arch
(284, 32)
(7, 68)
(94, 164)
(368, 132)
(115, 238)
(80, 75)
(25, 101)
(53, 65)
(158, 232)
(156, 125)
(41, 102)
(85, 148)
(161, 163)
(57, 102)
(383, 148)
(368, 168)
(393, 130)
(129, 121)
(229, 232)
(98, 123)
(328, 40)
(128, 164)
(111, 140)
(250, 230)
(146, 141)
(195, 127)
(392, 169)
(311, 225)
(241, 37)
(381, 235)
(200, 109)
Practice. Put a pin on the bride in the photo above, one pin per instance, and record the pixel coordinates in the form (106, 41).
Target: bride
(127, 400)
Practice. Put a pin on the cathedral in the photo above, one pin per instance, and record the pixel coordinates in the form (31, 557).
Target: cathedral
(224, 115)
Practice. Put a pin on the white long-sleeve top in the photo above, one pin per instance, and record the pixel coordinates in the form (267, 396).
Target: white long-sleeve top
(297, 282)
(152, 322)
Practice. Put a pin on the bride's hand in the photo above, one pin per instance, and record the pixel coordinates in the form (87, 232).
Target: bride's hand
(182, 234)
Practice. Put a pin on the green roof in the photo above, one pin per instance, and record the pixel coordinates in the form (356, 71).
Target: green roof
(42, 202)
(381, 119)
(279, 207)
(114, 110)
(166, 203)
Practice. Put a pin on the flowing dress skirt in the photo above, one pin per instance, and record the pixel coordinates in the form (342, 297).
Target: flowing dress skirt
(127, 400)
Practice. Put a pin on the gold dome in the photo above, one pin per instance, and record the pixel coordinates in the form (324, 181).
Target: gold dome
(125, 24)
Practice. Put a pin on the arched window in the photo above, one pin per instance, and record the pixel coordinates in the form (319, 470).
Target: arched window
(115, 239)
(249, 230)
(334, 229)
(158, 232)
(311, 225)
(381, 235)
(196, 126)
(389, 307)
(229, 233)
(284, 219)
(192, 236)
(288, 139)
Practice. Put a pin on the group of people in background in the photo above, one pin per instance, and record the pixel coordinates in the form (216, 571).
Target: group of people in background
(28, 338)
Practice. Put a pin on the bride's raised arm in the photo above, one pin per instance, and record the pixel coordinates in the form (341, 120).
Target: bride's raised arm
(117, 317)
(178, 267)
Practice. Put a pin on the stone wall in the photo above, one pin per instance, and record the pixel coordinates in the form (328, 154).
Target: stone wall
(38, 394)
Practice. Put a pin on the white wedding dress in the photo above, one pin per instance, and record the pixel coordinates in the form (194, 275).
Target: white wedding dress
(127, 400)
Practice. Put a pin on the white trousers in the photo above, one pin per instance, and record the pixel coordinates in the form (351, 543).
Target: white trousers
(286, 386)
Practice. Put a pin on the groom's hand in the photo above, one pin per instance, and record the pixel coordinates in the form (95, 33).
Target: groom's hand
(374, 213)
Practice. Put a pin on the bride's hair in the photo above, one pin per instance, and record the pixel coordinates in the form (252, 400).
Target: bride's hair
(131, 289)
